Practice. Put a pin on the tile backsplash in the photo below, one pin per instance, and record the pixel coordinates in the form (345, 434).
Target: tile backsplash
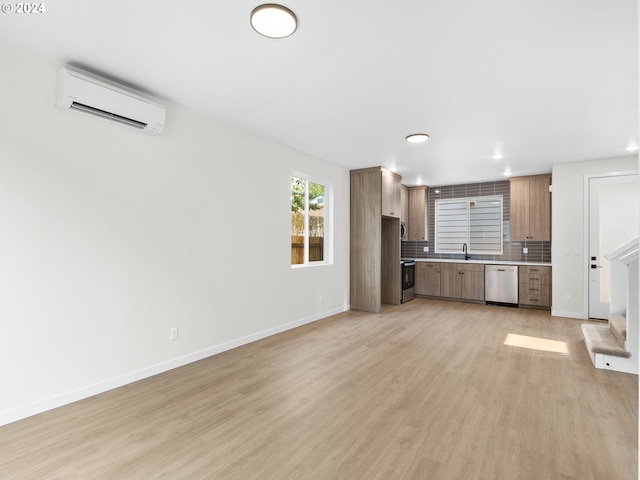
(538, 251)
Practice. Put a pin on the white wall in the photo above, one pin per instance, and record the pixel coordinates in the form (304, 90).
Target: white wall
(568, 229)
(110, 237)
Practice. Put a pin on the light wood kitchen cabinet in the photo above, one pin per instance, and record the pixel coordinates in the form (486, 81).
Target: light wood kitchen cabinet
(462, 280)
(391, 206)
(534, 286)
(404, 204)
(428, 279)
(418, 207)
(376, 275)
(530, 208)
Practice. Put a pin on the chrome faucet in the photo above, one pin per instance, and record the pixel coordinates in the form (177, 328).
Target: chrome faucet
(464, 250)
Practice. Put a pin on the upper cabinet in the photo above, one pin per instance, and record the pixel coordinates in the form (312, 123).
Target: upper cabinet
(418, 224)
(531, 208)
(404, 204)
(391, 205)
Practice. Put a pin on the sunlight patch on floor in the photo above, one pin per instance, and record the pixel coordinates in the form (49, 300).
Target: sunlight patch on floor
(536, 343)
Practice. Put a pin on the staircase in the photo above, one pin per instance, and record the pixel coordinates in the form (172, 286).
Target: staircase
(614, 346)
(605, 341)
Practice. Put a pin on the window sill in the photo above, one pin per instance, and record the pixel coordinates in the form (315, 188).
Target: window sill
(311, 264)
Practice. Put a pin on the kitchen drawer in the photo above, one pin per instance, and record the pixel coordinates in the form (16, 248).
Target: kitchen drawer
(537, 300)
(461, 267)
(429, 266)
(471, 267)
(535, 279)
(534, 289)
(534, 269)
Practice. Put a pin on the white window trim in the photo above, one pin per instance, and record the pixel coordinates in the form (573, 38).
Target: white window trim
(467, 240)
(328, 220)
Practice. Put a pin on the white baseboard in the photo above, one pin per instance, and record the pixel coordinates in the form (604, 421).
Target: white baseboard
(40, 406)
(558, 313)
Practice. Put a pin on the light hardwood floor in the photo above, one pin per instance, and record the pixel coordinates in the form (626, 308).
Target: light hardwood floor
(425, 390)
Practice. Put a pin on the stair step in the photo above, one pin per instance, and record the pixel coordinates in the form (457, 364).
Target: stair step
(600, 339)
(618, 325)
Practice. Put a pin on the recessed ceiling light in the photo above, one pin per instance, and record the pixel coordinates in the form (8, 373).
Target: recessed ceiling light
(507, 173)
(632, 148)
(273, 21)
(417, 138)
(498, 156)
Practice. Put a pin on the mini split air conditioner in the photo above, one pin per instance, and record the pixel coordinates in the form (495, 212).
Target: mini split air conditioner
(101, 98)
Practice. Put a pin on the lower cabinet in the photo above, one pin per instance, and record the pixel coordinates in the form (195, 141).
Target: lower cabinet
(463, 281)
(534, 286)
(428, 279)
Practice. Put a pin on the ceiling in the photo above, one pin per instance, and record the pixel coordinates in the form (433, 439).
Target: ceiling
(542, 82)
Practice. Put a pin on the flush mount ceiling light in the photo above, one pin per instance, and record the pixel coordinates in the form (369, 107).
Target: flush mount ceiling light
(273, 21)
(498, 156)
(417, 138)
(632, 148)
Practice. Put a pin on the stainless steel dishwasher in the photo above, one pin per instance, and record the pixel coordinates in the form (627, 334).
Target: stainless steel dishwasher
(501, 284)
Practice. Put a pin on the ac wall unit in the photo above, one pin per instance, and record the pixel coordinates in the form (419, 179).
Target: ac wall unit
(101, 98)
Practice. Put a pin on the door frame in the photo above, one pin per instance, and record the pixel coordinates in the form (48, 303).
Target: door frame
(586, 228)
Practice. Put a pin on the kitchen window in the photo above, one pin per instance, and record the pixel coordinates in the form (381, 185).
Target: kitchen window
(310, 221)
(476, 222)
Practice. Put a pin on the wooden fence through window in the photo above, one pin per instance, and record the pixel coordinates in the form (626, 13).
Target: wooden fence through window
(316, 249)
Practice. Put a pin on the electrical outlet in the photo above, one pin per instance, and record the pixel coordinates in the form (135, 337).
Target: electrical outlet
(425, 249)
(525, 250)
(173, 334)
(567, 296)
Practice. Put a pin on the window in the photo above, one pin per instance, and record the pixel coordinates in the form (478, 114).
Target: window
(476, 222)
(309, 221)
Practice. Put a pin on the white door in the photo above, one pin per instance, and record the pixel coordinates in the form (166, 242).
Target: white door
(613, 219)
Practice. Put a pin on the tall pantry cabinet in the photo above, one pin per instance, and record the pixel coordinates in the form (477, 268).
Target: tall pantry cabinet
(375, 238)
